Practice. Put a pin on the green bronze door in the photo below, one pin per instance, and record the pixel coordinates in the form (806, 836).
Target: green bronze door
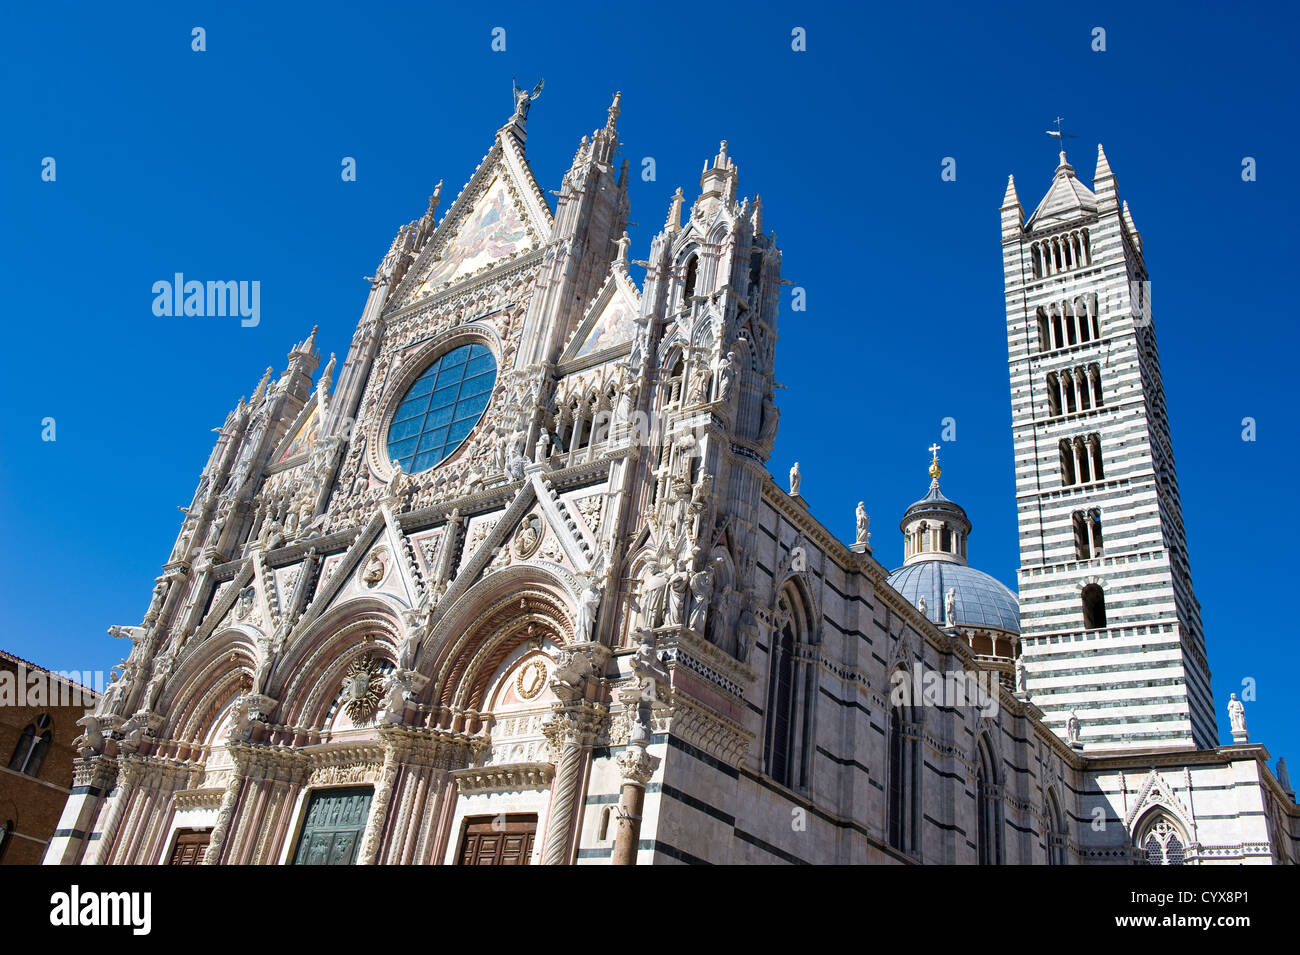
(331, 833)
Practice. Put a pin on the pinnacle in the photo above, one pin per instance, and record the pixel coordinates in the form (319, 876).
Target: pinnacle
(1010, 198)
(1103, 165)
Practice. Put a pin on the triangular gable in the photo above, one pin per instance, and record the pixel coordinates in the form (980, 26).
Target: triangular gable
(304, 435)
(493, 230)
(610, 323)
(499, 216)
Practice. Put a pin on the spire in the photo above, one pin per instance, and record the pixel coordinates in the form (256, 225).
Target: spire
(1013, 214)
(1066, 201)
(674, 221)
(756, 217)
(935, 470)
(309, 346)
(614, 109)
(435, 199)
(1131, 226)
(1103, 165)
(718, 182)
(260, 390)
(1104, 184)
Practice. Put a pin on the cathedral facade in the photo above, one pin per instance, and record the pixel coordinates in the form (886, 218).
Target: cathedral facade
(512, 584)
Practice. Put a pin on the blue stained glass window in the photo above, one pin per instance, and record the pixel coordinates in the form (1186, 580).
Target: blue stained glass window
(441, 408)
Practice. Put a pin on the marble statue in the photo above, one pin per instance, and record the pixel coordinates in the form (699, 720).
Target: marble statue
(950, 607)
(654, 594)
(588, 605)
(1236, 715)
(677, 587)
(701, 583)
(1072, 727)
(863, 523)
(795, 480)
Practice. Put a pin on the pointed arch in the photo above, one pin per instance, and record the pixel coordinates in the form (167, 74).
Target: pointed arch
(218, 669)
(788, 734)
(990, 847)
(509, 607)
(1057, 832)
(903, 761)
(307, 674)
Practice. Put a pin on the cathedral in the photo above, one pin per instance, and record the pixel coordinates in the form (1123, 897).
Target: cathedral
(512, 583)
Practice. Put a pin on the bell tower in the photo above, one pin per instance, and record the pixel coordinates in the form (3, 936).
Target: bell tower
(1110, 625)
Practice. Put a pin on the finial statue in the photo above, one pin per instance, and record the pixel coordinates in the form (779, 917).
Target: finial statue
(864, 523)
(523, 98)
(950, 607)
(1072, 728)
(1237, 718)
(795, 480)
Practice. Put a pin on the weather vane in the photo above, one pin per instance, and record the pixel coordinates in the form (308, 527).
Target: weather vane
(1059, 134)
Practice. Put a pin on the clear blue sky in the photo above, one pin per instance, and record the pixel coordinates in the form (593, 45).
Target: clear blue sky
(225, 165)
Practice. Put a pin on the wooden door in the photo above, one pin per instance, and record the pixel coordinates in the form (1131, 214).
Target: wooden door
(190, 847)
(498, 840)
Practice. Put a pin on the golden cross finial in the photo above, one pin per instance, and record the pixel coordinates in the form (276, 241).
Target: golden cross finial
(935, 470)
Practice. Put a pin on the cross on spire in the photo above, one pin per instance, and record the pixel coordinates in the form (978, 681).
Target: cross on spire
(1060, 135)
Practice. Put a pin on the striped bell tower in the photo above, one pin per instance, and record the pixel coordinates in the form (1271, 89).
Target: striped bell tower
(1110, 626)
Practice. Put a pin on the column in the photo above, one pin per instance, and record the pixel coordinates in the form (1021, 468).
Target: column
(229, 799)
(374, 830)
(637, 767)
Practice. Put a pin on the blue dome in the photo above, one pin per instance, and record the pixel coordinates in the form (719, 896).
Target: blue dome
(981, 600)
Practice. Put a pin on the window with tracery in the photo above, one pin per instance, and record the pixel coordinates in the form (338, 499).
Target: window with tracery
(1163, 843)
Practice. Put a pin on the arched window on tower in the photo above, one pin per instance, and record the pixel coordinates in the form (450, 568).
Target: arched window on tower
(1067, 462)
(1044, 330)
(1094, 607)
(1081, 456)
(1094, 453)
(1053, 394)
(33, 744)
(1094, 527)
(1094, 376)
(692, 273)
(945, 540)
(1082, 550)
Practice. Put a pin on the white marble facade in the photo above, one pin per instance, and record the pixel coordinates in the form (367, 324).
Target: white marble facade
(600, 589)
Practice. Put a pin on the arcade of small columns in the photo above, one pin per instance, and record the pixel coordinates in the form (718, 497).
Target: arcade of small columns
(1074, 389)
(1067, 323)
(1081, 459)
(1060, 253)
(418, 767)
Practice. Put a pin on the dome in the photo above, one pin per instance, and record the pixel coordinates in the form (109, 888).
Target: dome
(982, 601)
(935, 505)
